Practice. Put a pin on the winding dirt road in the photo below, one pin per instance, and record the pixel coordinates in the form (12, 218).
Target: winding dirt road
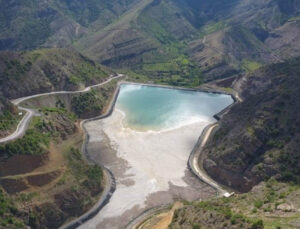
(23, 124)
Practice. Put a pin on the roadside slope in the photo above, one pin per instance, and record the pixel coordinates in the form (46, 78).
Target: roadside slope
(29, 113)
(46, 70)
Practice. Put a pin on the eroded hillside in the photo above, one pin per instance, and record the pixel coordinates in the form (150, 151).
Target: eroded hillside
(259, 138)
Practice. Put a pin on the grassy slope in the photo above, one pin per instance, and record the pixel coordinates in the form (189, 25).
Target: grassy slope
(32, 72)
(260, 208)
(144, 46)
(100, 45)
(46, 70)
(32, 24)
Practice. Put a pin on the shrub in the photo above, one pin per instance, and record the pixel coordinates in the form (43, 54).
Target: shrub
(95, 173)
(227, 213)
(258, 203)
(196, 226)
(282, 195)
(257, 225)
(33, 143)
(7, 120)
(86, 102)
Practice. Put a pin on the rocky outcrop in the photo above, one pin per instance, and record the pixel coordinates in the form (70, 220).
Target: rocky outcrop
(58, 124)
(229, 178)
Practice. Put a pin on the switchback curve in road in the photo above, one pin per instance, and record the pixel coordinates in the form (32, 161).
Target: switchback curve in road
(23, 124)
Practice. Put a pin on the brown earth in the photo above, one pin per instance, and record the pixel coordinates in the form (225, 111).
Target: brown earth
(34, 171)
(28, 183)
(55, 160)
(31, 172)
(25, 164)
(13, 186)
(162, 220)
(43, 179)
(58, 190)
(20, 164)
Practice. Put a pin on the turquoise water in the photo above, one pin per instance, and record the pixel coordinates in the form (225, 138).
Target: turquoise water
(155, 108)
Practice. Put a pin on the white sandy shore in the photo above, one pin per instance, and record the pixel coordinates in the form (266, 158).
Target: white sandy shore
(155, 161)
